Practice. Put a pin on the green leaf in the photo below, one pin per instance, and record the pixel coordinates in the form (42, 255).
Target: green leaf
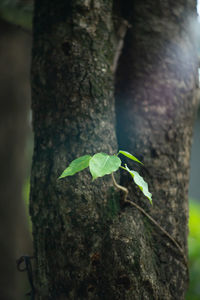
(101, 164)
(129, 155)
(139, 181)
(76, 166)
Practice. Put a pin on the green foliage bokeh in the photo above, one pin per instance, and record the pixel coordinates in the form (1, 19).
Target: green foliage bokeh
(194, 251)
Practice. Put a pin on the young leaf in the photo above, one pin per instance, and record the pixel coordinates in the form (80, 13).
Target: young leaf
(129, 155)
(76, 165)
(101, 164)
(139, 181)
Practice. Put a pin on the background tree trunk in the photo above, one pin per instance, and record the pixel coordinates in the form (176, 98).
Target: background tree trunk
(15, 95)
(86, 246)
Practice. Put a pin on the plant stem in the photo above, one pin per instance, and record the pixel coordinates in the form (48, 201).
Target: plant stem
(125, 190)
(120, 187)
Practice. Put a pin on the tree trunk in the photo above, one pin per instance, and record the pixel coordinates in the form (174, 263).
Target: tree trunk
(156, 103)
(73, 115)
(86, 245)
(14, 94)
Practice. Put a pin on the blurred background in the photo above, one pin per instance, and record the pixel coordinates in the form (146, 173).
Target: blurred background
(16, 151)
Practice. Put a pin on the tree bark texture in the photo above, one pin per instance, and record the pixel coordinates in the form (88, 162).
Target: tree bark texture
(73, 115)
(15, 96)
(86, 245)
(156, 102)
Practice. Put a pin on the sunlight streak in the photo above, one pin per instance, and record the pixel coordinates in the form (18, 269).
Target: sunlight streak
(198, 9)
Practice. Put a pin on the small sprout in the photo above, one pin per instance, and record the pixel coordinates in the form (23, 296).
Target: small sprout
(102, 164)
(76, 166)
(139, 181)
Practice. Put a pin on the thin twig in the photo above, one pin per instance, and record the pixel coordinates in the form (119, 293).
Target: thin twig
(125, 190)
(120, 187)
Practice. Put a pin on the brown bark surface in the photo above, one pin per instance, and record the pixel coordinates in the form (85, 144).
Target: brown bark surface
(156, 103)
(73, 115)
(86, 245)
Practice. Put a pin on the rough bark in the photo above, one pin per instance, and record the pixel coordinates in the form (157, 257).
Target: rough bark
(15, 97)
(86, 245)
(156, 103)
(73, 115)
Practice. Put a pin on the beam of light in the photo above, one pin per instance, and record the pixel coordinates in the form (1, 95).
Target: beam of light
(198, 12)
(198, 9)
